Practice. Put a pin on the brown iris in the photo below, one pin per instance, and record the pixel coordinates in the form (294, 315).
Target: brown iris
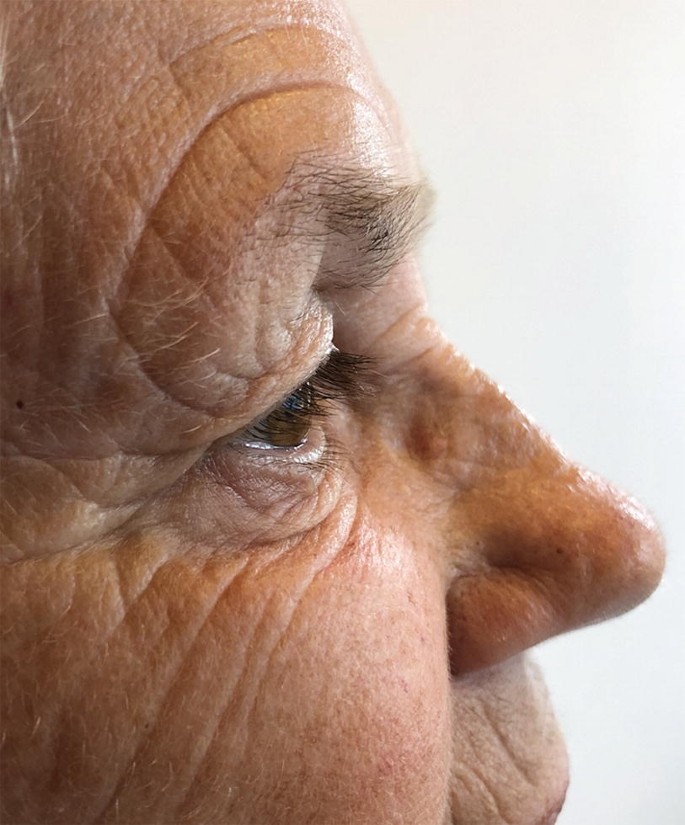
(288, 424)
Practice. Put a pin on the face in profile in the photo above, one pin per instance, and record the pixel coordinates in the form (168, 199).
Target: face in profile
(273, 551)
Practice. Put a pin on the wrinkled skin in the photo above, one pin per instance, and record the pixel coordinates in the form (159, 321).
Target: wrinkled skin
(199, 631)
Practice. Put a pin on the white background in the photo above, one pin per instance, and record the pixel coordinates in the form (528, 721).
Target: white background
(554, 134)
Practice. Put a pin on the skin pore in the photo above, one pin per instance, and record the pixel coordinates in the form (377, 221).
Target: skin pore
(272, 551)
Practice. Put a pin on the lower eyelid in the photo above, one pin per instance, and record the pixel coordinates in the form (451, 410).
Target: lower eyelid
(311, 450)
(238, 498)
(265, 478)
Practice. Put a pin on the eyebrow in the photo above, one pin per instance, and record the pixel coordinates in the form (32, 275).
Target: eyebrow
(368, 222)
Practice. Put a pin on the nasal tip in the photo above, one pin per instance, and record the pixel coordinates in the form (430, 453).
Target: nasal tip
(640, 551)
(569, 551)
(618, 551)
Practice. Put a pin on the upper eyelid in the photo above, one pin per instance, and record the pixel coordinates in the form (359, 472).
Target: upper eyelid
(344, 375)
(339, 376)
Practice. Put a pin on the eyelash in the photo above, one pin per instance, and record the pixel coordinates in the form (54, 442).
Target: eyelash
(341, 377)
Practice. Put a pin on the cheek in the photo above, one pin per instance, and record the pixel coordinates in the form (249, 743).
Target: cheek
(145, 685)
(342, 702)
(359, 686)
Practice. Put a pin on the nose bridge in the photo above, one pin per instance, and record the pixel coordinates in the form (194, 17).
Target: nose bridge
(543, 546)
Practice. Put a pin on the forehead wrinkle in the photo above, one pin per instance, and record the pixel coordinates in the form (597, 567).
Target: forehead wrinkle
(365, 222)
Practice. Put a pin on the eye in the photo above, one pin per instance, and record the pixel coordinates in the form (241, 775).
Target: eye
(287, 426)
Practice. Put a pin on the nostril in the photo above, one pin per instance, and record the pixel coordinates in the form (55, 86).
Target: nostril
(493, 616)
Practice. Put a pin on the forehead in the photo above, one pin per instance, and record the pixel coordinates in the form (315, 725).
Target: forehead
(203, 107)
(133, 87)
(280, 78)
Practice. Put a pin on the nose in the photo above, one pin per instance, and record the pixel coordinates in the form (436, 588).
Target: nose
(535, 545)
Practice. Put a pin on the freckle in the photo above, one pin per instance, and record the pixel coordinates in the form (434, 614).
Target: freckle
(20, 404)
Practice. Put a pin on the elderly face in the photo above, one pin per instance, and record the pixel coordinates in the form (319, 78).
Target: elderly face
(273, 551)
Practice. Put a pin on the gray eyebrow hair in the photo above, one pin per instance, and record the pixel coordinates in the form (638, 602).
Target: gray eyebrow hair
(369, 222)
